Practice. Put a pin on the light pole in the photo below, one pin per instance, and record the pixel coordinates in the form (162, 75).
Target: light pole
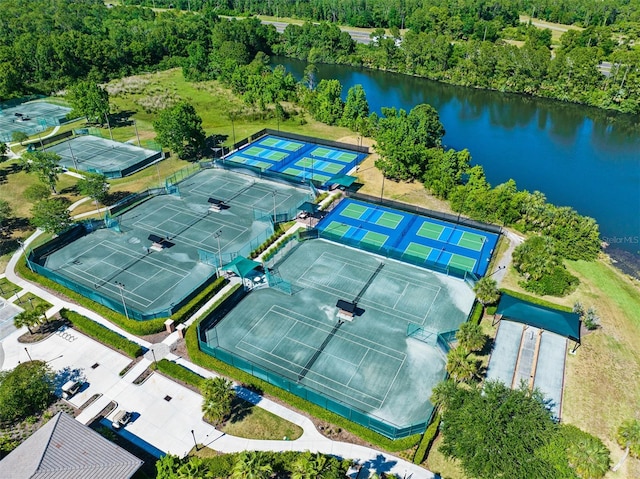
(382, 189)
(28, 355)
(232, 115)
(154, 357)
(73, 157)
(108, 125)
(195, 443)
(135, 126)
(24, 251)
(124, 305)
(217, 235)
(274, 206)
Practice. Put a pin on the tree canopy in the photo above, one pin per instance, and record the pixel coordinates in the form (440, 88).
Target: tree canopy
(45, 165)
(180, 128)
(25, 390)
(90, 100)
(403, 140)
(95, 186)
(51, 215)
(495, 431)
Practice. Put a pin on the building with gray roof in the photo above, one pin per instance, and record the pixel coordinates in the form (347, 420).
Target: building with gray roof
(66, 449)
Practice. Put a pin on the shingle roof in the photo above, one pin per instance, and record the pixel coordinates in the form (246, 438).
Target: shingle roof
(66, 449)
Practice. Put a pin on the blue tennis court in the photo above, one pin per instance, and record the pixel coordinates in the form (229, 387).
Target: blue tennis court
(416, 239)
(298, 159)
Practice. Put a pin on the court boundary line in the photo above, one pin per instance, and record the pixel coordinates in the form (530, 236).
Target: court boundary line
(370, 303)
(288, 363)
(72, 270)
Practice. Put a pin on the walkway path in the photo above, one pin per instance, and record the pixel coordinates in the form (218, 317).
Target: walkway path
(156, 434)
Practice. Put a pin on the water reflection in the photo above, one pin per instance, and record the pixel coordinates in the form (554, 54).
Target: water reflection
(579, 156)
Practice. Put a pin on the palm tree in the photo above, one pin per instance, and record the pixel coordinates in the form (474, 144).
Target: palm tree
(251, 465)
(629, 436)
(313, 466)
(195, 468)
(27, 318)
(460, 366)
(589, 457)
(486, 290)
(217, 398)
(442, 392)
(470, 337)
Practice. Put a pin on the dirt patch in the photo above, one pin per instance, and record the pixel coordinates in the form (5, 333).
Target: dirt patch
(43, 331)
(146, 374)
(156, 338)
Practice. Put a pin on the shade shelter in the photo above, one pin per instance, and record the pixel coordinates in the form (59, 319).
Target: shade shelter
(242, 266)
(560, 322)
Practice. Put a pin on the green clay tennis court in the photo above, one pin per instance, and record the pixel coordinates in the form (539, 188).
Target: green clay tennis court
(30, 118)
(369, 364)
(281, 143)
(419, 240)
(331, 154)
(264, 153)
(155, 280)
(111, 158)
(368, 237)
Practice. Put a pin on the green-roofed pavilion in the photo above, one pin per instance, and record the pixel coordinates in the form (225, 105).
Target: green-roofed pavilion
(241, 266)
(345, 180)
(309, 207)
(560, 322)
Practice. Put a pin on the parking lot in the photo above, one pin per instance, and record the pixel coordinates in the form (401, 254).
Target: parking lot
(164, 412)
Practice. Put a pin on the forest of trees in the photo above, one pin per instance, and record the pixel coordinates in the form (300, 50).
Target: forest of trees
(48, 45)
(401, 13)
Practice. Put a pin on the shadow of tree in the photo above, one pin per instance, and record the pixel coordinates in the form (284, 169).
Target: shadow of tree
(115, 196)
(379, 465)
(7, 170)
(240, 409)
(67, 374)
(121, 118)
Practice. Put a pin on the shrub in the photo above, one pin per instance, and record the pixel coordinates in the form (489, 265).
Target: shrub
(179, 372)
(427, 440)
(102, 334)
(591, 319)
(476, 313)
(558, 283)
(199, 300)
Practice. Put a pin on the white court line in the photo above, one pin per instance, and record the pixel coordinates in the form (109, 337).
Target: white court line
(377, 403)
(216, 220)
(402, 315)
(150, 259)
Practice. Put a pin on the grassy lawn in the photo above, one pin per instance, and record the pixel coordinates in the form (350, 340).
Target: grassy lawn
(13, 183)
(557, 29)
(7, 288)
(439, 464)
(143, 95)
(252, 422)
(413, 193)
(31, 301)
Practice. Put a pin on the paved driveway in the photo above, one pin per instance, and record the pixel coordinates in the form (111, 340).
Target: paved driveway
(166, 424)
